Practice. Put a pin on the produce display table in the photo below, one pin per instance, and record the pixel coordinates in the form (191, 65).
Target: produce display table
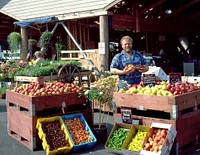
(86, 76)
(182, 111)
(23, 112)
(34, 79)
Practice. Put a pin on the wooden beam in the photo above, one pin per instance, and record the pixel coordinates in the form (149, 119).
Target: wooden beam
(123, 22)
(153, 5)
(181, 9)
(192, 17)
(137, 16)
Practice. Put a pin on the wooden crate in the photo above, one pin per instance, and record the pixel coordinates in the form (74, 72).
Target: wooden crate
(176, 106)
(32, 105)
(183, 112)
(34, 79)
(188, 130)
(22, 127)
(23, 112)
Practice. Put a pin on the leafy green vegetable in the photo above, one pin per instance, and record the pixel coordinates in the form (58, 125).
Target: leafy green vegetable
(44, 68)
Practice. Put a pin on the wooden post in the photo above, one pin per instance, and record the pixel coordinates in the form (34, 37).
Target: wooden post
(24, 44)
(137, 18)
(104, 37)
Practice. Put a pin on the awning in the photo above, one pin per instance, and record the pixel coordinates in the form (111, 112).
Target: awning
(26, 23)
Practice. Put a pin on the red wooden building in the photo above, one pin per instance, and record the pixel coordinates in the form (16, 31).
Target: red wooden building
(167, 24)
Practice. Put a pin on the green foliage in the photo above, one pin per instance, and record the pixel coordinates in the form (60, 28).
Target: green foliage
(14, 39)
(5, 86)
(8, 70)
(45, 39)
(59, 45)
(44, 68)
(32, 42)
(3, 90)
(102, 92)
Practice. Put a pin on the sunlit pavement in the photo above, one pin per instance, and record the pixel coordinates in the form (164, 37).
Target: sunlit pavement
(9, 146)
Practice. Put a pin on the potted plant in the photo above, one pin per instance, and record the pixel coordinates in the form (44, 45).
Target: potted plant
(101, 91)
(14, 39)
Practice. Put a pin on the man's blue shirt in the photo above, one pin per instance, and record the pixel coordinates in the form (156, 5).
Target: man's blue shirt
(122, 59)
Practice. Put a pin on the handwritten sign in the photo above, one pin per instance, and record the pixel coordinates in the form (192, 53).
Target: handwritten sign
(149, 79)
(174, 77)
(126, 115)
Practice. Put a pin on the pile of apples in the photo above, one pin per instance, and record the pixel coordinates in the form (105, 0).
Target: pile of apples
(163, 88)
(179, 88)
(155, 142)
(49, 88)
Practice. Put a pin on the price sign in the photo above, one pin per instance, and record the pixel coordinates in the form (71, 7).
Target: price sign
(126, 115)
(149, 79)
(174, 77)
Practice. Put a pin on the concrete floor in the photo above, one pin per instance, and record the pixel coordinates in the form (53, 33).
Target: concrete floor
(9, 146)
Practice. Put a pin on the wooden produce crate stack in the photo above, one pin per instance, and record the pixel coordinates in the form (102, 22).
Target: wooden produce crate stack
(23, 112)
(183, 112)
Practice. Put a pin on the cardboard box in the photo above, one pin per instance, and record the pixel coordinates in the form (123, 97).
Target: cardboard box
(169, 140)
(191, 79)
(129, 138)
(158, 71)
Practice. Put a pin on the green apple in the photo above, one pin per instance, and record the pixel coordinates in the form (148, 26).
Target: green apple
(121, 90)
(133, 90)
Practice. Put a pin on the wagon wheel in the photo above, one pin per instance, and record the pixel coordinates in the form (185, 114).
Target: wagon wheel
(69, 74)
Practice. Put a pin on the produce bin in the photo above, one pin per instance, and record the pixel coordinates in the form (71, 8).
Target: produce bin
(136, 144)
(168, 140)
(43, 136)
(33, 104)
(23, 112)
(84, 145)
(117, 135)
(175, 106)
(182, 112)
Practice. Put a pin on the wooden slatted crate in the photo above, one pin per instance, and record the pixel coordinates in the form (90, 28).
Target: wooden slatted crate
(176, 106)
(182, 112)
(188, 130)
(32, 105)
(23, 112)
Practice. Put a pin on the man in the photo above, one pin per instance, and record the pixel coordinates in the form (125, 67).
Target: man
(131, 58)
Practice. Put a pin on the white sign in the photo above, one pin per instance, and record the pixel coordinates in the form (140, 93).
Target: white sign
(101, 47)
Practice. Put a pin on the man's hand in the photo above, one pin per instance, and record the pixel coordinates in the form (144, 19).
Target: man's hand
(143, 69)
(129, 69)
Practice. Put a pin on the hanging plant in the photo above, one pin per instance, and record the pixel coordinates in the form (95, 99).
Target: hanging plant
(59, 46)
(45, 39)
(32, 42)
(14, 39)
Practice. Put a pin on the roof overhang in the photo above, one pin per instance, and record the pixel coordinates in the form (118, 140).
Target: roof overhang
(62, 14)
(85, 14)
